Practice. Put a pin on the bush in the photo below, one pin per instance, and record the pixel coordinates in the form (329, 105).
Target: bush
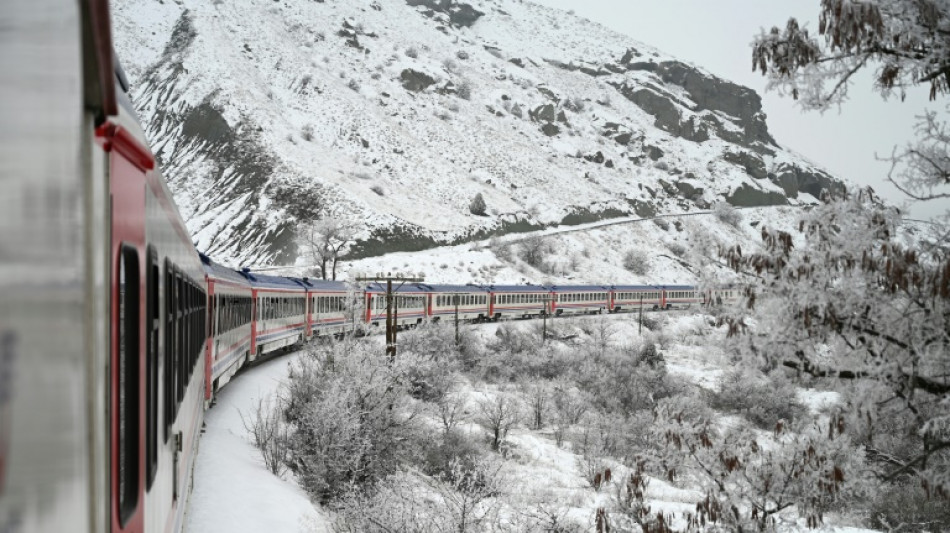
(351, 418)
(455, 454)
(623, 385)
(412, 52)
(478, 207)
(676, 249)
(662, 224)
(636, 262)
(727, 214)
(465, 90)
(535, 250)
(907, 508)
(378, 189)
(763, 400)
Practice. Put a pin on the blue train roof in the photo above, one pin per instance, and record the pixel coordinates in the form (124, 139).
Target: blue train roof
(323, 285)
(263, 281)
(635, 287)
(454, 288)
(516, 288)
(400, 287)
(219, 271)
(679, 287)
(578, 288)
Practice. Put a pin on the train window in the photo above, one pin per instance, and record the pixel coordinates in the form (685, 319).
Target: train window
(180, 339)
(151, 369)
(169, 343)
(127, 381)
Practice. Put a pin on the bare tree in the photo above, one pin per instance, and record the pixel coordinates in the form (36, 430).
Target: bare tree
(465, 499)
(269, 435)
(907, 39)
(327, 240)
(537, 395)
(451, 411)
(498, 415)
(534, 250)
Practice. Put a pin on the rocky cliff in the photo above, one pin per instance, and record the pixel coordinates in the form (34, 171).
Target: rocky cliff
(395, 114)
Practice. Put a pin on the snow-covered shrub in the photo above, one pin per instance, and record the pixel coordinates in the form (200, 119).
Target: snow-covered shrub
(636, 262)
(307, 132)
(498, 416)
(465, 90)
(477, 206)
(462, 54)
(574, 104)
(352, 421)
(455, 454)
(662, 224)
(353, 85)
(764, 400)
(269, 433)
(412, 52)
(622, 384)
(450, 66)
(408, 501)
(727, 214)
(534, 250)
(907, 507)
(677, 249)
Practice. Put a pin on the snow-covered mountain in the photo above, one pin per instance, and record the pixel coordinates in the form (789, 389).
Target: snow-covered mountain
(395, 114)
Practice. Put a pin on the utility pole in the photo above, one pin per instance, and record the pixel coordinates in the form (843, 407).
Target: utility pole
(392, 319)
(640, 330)
(458, 339)
(545, 299)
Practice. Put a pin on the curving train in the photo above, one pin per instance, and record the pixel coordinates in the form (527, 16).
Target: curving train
(115, 333)
(252, 314)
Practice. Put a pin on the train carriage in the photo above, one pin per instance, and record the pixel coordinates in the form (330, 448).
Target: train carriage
(518, 301)
(280, 312)
(681, 297)
(230, 311)
(469, 302)
(410, 304)
(331, 307)
(577, 299)
(635, 297)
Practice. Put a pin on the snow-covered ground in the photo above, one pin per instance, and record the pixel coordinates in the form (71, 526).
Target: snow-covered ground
(234, 492)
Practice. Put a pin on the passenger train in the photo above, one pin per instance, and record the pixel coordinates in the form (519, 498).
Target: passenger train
(115, 333)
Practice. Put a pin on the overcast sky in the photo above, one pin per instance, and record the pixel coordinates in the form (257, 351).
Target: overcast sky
(716, 35)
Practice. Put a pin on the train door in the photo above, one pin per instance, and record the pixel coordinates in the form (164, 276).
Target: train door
(255, 318)
(128, 163)
(211, 340)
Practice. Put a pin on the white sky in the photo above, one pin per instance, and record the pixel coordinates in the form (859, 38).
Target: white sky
(716, 35)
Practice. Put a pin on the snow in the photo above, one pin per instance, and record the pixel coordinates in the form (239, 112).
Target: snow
(233, 492)
(430, 152)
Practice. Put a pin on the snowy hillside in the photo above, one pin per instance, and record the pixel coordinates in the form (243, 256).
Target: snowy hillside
(395, 114)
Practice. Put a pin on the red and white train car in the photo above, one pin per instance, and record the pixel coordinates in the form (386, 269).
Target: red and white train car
(102, 319)
(230, 309)
(280, 312)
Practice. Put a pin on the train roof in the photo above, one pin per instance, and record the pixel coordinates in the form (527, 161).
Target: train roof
(516, 288)
(219, 271)
(636, 287)
(400, 287)
(263, 281)
(314, 284)
(578, 288)
(454, 288)
(679, 287)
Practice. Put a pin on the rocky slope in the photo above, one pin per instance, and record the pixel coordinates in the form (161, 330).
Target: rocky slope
(395, 114)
